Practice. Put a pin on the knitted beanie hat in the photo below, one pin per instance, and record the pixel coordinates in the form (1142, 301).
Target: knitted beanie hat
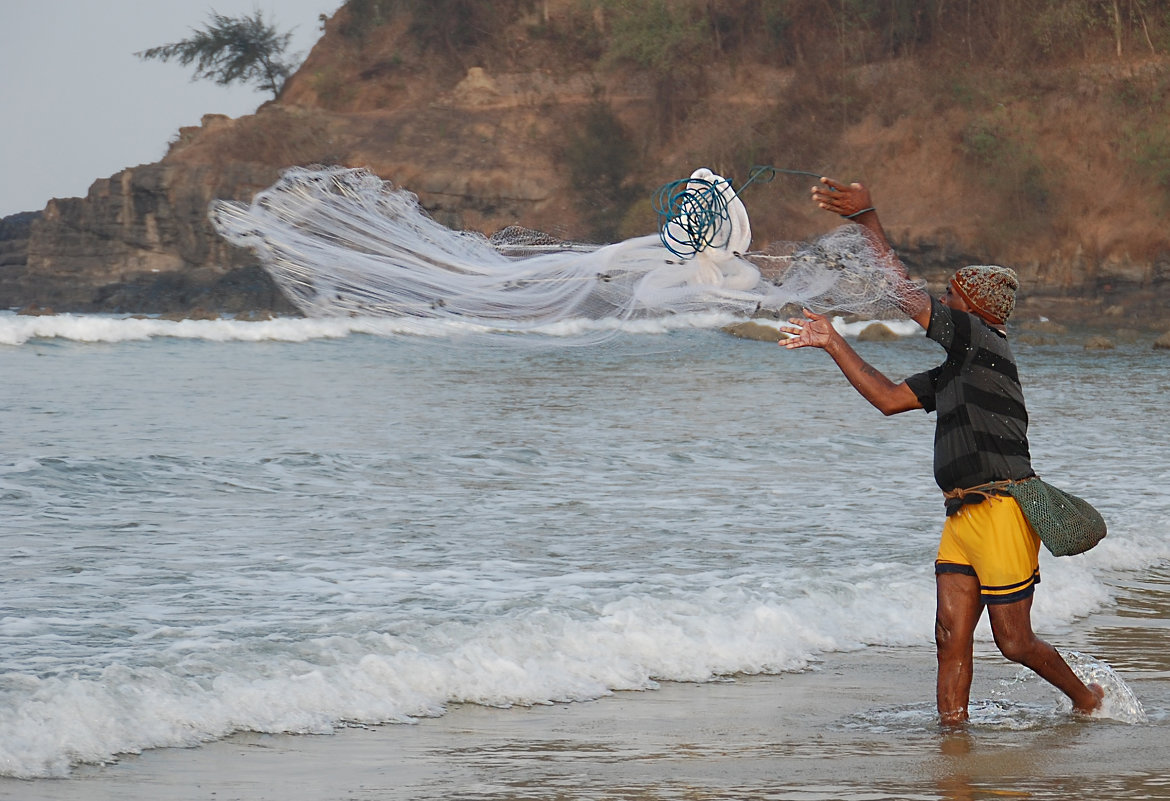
(990, 291)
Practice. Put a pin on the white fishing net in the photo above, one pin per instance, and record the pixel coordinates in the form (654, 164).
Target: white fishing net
(840, 272)
(342, 241)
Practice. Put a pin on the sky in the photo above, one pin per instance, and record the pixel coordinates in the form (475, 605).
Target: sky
(76, 104)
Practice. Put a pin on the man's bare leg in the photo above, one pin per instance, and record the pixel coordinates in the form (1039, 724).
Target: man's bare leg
(958, 611)
(1012, 626)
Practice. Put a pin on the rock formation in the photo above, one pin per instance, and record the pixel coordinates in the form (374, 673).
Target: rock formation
(140, 241)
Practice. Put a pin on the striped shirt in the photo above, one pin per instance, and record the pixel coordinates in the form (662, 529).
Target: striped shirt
(981, 432)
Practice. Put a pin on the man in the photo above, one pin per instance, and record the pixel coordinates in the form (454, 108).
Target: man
(988, 555)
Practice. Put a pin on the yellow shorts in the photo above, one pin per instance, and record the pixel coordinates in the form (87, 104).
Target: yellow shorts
(992, 541)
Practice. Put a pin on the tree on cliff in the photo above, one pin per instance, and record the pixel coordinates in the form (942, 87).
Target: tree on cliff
(230, 50)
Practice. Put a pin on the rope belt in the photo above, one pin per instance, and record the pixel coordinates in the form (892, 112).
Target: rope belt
(986, 490)
(957, 498)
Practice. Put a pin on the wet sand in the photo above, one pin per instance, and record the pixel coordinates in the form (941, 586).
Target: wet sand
(857, 728)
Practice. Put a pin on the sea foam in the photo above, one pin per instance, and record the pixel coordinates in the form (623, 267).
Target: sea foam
(94, 328)
(204, 691)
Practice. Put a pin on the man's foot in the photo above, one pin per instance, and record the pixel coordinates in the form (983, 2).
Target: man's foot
(1098, 697)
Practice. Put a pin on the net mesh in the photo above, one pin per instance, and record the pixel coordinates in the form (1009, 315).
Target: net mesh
(341, 241)
(840, 272)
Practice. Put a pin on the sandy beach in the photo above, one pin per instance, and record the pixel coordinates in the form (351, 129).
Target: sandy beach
(857, 728)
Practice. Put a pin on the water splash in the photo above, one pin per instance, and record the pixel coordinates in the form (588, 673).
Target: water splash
(1120, 702)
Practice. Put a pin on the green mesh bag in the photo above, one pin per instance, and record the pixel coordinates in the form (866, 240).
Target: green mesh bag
(1066, 524)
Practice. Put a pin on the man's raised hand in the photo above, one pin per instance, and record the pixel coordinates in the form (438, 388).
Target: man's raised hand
(847, 200)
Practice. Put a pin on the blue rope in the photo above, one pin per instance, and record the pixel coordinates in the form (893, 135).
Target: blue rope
(693, 214)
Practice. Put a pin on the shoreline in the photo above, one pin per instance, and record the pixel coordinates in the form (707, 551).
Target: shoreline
(1054, 319)
(857, 727)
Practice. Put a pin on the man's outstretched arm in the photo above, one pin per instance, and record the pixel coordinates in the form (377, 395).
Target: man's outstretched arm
(853, 202)
(817, 332)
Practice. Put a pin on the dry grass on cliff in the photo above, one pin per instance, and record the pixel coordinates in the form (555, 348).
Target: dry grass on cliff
(276, 136)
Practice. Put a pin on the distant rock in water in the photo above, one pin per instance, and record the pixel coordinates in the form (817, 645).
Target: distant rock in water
(1099, 343)
(877, 332)
(759, 332)
(1162, 342)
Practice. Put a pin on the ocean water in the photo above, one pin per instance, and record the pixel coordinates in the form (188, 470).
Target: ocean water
(290, 526)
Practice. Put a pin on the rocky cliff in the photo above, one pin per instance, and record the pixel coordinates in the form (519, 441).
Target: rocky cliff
(139, 241)
(1034, 170)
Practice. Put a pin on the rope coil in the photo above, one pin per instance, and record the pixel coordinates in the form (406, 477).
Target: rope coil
(693, 213)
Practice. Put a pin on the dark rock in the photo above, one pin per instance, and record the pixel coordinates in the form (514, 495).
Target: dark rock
(14, 235)
(198, 313)
(242, 289)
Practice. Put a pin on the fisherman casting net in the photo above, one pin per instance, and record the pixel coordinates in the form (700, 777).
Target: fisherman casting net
(343, 242)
